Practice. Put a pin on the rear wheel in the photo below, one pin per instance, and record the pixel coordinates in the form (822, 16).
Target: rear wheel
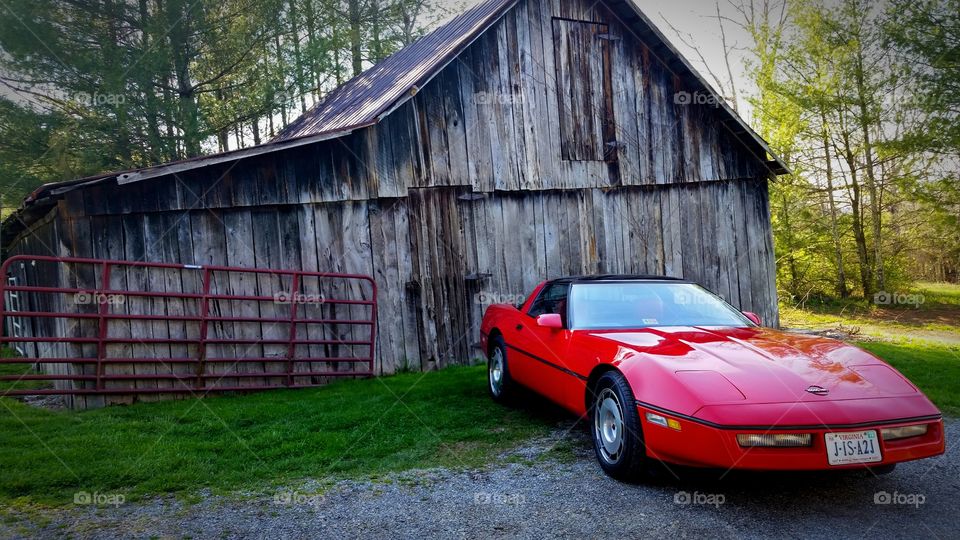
(500, 384)
(617, 433)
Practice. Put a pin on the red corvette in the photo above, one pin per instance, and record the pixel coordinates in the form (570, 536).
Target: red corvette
(667, 371)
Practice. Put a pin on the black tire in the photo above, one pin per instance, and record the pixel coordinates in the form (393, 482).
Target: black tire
(502, 389)
(620, 450)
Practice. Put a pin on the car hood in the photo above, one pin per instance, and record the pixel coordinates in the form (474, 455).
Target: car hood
(758, 365)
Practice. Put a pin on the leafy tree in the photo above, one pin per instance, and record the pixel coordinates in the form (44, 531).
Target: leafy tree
(96, 85)
(927, 32)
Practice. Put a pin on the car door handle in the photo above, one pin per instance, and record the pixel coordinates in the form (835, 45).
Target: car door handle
(519, 327)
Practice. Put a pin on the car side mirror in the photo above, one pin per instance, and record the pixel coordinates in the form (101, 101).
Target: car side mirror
(754, 318)
(550, 320)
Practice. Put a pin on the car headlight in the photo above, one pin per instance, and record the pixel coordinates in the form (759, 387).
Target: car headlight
(778, 440)
(904, 432)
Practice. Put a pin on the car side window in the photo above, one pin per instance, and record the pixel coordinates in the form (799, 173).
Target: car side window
(553, 299)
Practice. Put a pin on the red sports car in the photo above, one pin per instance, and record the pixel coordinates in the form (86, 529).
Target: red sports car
(668, 371)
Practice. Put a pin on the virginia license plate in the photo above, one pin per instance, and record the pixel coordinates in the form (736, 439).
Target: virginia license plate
(853, 447)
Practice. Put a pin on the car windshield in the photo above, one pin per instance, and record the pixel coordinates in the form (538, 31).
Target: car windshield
(614, 305)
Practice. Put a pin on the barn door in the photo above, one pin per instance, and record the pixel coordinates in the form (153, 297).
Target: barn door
(584, 91)
(439, 286)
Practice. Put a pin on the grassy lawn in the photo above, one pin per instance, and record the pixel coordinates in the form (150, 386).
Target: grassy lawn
(933, 368)
(17, 370)
(935, 319)
(351, 428)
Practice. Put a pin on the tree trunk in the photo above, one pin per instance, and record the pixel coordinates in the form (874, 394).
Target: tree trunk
(356, 36)
(834, 230)
(876, 216)
(115, 85)
(312, 45)
(179, 18)
(145, 80)
(297, 56)
(794, 286)
(856, 205)
(376, 44)
(280, 66)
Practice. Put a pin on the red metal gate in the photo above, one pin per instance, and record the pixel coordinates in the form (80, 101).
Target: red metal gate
(127, 336)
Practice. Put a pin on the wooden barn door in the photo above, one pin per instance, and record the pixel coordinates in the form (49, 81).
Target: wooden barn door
(584, 91)
(439, 286)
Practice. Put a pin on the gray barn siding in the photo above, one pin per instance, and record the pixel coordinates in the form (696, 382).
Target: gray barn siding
(421, 250)
(459, 195)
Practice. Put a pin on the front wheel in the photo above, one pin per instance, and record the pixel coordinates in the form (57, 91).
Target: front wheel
(500, 384)
(617, 433)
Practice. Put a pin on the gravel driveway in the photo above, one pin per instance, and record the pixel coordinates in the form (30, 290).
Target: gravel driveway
(531, 497)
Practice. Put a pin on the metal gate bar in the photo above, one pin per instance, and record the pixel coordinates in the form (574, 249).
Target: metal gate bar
(198, 380)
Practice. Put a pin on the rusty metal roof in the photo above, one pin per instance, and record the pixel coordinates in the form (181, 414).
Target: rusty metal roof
(363, 100)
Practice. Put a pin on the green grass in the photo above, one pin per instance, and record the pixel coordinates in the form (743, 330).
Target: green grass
(348, 429)
(936, 319)
(934, 369)
(17, 370)
(940, 294)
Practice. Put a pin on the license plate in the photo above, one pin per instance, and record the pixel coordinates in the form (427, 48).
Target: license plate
(853, 447)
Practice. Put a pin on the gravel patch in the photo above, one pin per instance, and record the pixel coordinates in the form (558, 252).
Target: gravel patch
(537, 492)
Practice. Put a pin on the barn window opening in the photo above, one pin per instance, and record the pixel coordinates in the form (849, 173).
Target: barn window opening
(584, 90)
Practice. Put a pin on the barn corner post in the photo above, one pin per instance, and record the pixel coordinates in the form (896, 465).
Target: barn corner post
(521, 141)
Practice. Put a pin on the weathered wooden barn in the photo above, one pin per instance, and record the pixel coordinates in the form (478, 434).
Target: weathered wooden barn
(523, 140)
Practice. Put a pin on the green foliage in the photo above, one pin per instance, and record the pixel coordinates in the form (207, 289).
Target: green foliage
(871, 206)
(347, 429)
(927, 33)
(91, 87)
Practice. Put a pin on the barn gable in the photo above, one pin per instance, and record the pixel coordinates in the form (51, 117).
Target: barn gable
(581, 32)
(526, 140)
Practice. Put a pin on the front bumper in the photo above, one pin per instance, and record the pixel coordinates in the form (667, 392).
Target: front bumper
(698, 444)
